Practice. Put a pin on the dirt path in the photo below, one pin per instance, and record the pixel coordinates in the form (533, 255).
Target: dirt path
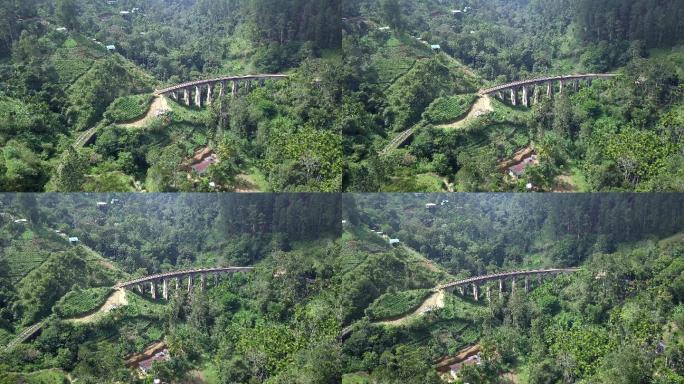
(159, 105)
(482, 106)
(435, 301)
(117, 299)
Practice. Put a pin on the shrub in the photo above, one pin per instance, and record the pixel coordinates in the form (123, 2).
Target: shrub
(391, 305)
(448, 109)
(80, 302)
(128, 108)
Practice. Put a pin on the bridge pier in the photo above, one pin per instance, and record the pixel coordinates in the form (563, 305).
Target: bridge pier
(461, 290)
(153, 290)
(222, 92)
(174, 95)
(189, 283)
(203, 279)
(489, 293)
(215, 279)
(262, 82)
(536, 94)
(549, 90)
(576, 85)
(514, 97)
(527, 283)
(165, 289)
(235, 88)
(525, 99)
(513, 284)
(209, 94)
(501, 288)
(248, 85)
(177, 283)
(198, 96)
(476, 292)
(186, 96)
(140, 288)
(560, 87)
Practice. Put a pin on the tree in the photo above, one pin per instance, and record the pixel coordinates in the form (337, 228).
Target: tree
(70, 173)
(391, 11)
(67, 12)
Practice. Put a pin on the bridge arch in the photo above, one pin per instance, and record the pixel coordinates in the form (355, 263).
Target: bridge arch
(477, 281)
(176, 276)
(200, 92)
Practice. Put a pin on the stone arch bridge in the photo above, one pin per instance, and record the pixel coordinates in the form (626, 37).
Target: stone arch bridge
(532, 90)
(200, 92)
(151, 281)
(475, 282)
(176, 277)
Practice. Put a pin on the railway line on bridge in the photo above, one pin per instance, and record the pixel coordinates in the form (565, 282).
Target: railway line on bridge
(476, 281)
(152, 280)
(531, 93)
(198, 93)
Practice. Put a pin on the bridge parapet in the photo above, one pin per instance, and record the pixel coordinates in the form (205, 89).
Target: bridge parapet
(505, 276)
(547, 79)
(181, 274)
(209, 83)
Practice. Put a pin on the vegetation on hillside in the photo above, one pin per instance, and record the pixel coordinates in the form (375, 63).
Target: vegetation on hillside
(492, 42)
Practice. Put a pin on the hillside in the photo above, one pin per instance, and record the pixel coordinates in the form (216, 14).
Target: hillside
(617, 319)
(422, 126)
(82, 74)
(88, 330)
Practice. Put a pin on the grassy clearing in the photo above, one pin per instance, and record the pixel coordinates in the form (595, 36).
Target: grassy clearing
(391, 305)
(48, 376)
(449, 109)
(128, 108)
(76, 303)
(356, 378)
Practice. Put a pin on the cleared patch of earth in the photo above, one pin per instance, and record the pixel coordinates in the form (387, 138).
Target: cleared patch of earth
(159, 106)
(482, 106)
(435, 301)
(115, 300)
(564, 183)
(245, 184)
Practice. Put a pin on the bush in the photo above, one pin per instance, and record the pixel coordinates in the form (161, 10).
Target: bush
(128, 108)
(449, 109)
(80, 302)
(391, 305)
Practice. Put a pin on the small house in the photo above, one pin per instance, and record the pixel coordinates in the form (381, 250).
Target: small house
(435, 47)
(517, 170)
(393, 241)
(73, 240)
(111, 48)
(124, 13)
(61, 29)
(112, 2)
(114, 201)
(101, 204)
(384, 29)
(456, 13)
(20, 221)
(430, 205)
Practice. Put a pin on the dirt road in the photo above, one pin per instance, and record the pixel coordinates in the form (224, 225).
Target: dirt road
(482, 106)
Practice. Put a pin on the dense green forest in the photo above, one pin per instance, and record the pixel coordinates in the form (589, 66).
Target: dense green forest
(330, 300)
(617, 320)
(418, 65)
(257, 325)
(76, 73)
